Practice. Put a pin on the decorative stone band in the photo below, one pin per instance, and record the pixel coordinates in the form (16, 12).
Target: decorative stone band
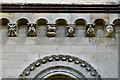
(52, 30)
(60, 8)
(59, 60)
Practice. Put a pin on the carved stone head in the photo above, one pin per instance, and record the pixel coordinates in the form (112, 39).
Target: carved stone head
(31, 30)
(12, 30)
(90, 30)
(109, 30)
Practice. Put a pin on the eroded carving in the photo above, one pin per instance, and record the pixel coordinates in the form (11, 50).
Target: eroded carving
(31, 30)
(51, 30)
(12, 30)
(70, 30)
(110, 30)
(90, 30)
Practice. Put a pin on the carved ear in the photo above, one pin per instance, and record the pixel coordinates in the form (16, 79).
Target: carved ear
(67, 24)
(8, 24)
(94, 25)
(28, 23)
(113, 25)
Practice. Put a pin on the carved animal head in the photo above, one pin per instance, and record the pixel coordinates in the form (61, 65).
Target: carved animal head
(51, 28)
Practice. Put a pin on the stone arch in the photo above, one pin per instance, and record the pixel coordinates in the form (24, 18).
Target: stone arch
(80, 22)
(4, 26)
(41, 26)
(22, 26)
(80, 25)
(41, 21)
(22, 21)
(61, 21)
(99, 27)
(99, 23)
(60, 64)
(61, 24)
(4, 21)
(116, 22)
(58, 77)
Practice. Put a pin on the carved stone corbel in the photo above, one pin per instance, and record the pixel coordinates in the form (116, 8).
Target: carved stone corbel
(109, 30)
(90, 30)
(70, 30)
(51, 30)
(12, 29)
(32, 30)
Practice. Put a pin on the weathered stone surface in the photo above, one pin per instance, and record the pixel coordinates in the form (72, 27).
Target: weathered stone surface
(18, 52)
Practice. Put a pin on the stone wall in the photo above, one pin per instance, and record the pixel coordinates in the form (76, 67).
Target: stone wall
(18, 52)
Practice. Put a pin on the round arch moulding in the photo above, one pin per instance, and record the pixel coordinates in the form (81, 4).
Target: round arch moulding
(60, 65)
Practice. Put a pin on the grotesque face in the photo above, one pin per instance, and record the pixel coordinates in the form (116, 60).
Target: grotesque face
(90, 30)
(71, 30)
(12, 29)
(12, 32)
(109, 30)
(31, 30)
